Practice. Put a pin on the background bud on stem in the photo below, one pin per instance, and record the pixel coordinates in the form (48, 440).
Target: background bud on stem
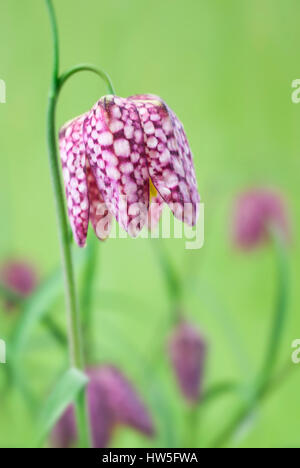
(112, 402)
(187, 351)
(18, 276)
(256, 211)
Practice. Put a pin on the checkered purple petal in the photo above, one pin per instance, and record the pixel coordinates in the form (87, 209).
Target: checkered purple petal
(170, 160)
(73, 159)
(115, 146)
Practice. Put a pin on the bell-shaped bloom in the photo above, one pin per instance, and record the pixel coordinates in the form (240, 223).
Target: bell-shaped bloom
(257, 211)
(112, 402)
(187, 352)
(19, 277)
(121, 157)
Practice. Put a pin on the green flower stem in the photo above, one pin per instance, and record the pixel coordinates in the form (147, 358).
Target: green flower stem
(89, 276)
(280, 309)
(208, 298)
(217, 390)
(174, 288)
(12, 297)
(73, 318)
(261, 386)
(9, 295)
(245, 410)
(86, 67)
(172, 279)
(86, 299)
(73, 313)
(55, 331)
(75, 345)
(195, 411)
(191, 423)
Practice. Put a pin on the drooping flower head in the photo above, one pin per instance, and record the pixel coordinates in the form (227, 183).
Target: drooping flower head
(112, 402)
(255, 212)
(19, 277)
(122, 157)
(187, 351)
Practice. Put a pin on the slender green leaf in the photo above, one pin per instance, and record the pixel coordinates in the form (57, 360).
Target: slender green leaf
(64, 393)
(9, 294)
(59, 336)
(148, 374)
(208, 297)
(219, 389)
(35, 308)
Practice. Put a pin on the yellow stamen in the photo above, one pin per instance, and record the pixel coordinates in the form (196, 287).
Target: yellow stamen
(152, 190)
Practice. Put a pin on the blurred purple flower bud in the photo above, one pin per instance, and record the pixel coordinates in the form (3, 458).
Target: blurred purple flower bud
(112, 401)
(64, 434)
(123, 401)
(187, 351)
(256, 210)
(102, 422)
(19, 277)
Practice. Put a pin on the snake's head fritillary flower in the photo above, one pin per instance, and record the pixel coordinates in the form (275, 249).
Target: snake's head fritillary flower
(123, 401)
(187, 351)
(120, 158)
(64, 434)
(256, 211)
(112, 402)
(18, 276)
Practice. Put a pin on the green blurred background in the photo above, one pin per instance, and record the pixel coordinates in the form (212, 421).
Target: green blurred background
(226, 68)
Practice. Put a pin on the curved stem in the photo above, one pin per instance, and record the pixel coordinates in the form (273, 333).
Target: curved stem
(87, 67)
(264, 380)
(75, 344)
(245, 410)
(217, 390)
(54, 30)
(66, 256)
(280, 309)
